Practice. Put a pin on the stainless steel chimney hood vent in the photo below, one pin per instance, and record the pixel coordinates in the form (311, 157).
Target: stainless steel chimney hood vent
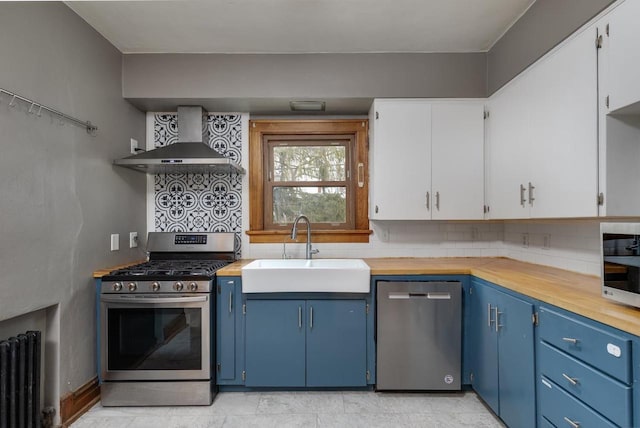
(191, 154)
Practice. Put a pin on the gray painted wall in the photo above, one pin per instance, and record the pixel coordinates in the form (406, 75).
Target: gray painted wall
(60, 196)
(263, 84)
(149, 77)
(543, 26)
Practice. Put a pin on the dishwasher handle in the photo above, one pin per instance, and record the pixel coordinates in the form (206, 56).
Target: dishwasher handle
(412, 295)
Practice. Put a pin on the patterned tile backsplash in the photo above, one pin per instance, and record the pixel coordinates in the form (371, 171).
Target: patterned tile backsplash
(210, 202)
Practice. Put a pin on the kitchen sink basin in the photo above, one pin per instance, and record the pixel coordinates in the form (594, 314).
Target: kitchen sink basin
(302, 276)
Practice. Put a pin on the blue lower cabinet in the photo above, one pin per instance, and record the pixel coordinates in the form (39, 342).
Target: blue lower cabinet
(608, 351)
(594, 388)
(484, 341)
(516, 369)
(229, 332)
(306, 343)
(502, 335)
(561, 409)
(275, 343)
(544, 423)
(336, 343)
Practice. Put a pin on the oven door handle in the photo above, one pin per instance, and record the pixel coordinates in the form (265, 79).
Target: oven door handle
(153, 300)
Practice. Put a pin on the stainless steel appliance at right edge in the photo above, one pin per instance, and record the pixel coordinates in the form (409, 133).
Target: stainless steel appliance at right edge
(620, 262)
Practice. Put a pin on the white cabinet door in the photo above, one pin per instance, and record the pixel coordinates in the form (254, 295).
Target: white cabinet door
(543, 137)
(624, 56)
(507, 152)
(457, 153)
(400, 158)
(563, 131)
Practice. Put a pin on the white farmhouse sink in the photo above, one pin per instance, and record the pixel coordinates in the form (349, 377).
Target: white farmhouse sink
(301, 276)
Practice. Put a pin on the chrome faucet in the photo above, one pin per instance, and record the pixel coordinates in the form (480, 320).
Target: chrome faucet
(294, 234)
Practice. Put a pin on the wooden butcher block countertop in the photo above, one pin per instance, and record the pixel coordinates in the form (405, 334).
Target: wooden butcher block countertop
(572, 291)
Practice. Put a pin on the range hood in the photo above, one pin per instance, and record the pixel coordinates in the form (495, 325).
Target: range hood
(190, 154)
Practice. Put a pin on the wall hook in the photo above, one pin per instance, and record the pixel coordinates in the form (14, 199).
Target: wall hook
(11, 103)
(39, 112)
(31, 108)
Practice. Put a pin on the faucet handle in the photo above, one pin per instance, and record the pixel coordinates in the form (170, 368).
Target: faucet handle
(313, 250)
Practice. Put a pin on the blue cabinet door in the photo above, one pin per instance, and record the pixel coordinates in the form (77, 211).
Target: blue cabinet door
(228, 325)
(275, 343)
(336, 343)
(484, 343)
(516, 372)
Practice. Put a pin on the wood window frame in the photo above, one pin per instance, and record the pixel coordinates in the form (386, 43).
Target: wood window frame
(306, 129)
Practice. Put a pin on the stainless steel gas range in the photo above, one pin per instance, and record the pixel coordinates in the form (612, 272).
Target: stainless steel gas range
(156, 322)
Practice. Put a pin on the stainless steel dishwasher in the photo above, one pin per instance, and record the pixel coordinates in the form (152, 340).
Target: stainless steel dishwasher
(419, 335)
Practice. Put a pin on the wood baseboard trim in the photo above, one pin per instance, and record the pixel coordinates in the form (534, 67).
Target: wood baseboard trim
(75, 404)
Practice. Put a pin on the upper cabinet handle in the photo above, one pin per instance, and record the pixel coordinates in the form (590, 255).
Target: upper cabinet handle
(531, 198)
(428, 197)
(522, 199)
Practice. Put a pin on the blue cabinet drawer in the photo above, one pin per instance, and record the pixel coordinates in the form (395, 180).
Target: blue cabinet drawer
(597, 390)
(608, 352)
(563, 410)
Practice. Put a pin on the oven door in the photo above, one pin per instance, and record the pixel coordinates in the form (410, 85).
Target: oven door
(155, 337)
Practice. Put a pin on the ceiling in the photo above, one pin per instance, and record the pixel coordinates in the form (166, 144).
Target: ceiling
(297, 26)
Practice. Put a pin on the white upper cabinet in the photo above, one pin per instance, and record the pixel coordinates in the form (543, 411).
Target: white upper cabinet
(619, 134)
(507, 152)
(400, 160)
(543, 137)
(426, 160)
(624, 57)
(457, 158)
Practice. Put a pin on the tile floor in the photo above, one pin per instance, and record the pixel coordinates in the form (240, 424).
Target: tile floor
(304, 409)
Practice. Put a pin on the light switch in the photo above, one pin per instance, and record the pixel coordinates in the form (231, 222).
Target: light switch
(115, 241)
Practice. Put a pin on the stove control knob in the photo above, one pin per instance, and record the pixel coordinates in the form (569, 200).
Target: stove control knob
(155, 286)
(178, 286)
(132, 286)
(193, 286)
(117, 286)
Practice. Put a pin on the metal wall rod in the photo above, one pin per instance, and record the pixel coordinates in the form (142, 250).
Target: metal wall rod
(91, 129)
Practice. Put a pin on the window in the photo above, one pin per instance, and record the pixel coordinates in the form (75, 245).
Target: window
(315, 168)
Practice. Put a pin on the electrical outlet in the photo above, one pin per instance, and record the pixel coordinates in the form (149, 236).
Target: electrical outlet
(133, 239)
(524, 238)
(115, 241)
(134, 146)
(546, 241)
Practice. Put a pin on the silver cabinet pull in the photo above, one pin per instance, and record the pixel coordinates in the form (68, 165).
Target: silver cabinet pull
(522, 199)
(311, 317)
(489, 320)
(438, 201)
(498, 313)
(570, 340)
(574, 424)
(572, 380)
(230, 301)
(428, 197)
(531, 198)
(299, 316)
